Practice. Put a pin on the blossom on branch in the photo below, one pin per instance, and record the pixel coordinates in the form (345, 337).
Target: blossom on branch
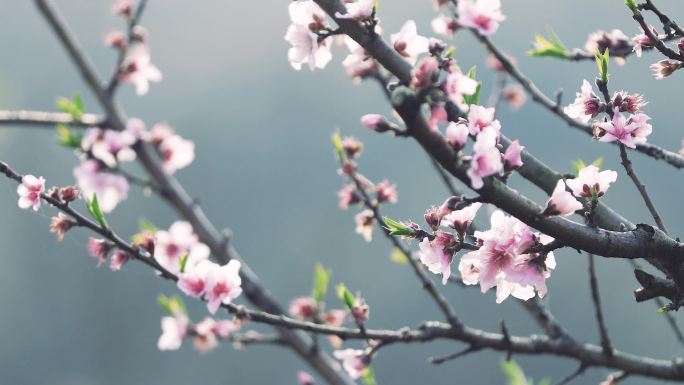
(480, 118)
(590, 183)
(511, 157)
(358, 10)
(223, 285)
(138, 69)
(29, 192)
(561, 202)
(60, 224)
(93, 179)
(619, 129)
(457, 85)
(437, 254)
(408, 43)
(483, 16)
(486, 158)
(308, 20)
(353, 361)
(457, 134)
(179, 242)
(586, 104)
(176, 152)
(174, 330)
(365, 221)
(303, 308)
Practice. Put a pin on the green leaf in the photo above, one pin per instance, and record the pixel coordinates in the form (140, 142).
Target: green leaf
(73, 107)
(553, 47)
(632, 5)
(67, 137)
(172, 305)
(602, 64)
(320, 283)
(93, 207)
(182, 262)
(514, 373)
(450, 52)
(399, 257)
(345, 296)
(368, 377)
(579, 164)
(337, 145)
(397, 228)
(147, 226)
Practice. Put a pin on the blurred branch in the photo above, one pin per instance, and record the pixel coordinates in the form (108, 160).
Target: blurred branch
(48, 119)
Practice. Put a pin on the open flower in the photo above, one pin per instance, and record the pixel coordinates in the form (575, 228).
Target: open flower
(586, 104)
(365, 221)
(93, 179)
(138, 69)
(223, 285)
(352, 361)
(591, 183)
(176, 243)
(306, 49)
(174, 330)
(303, 308)
(457, 85)
(29, 192)
(457, 134)
(408, 43)
(618, 130)
(460, 220)
(482, 15)
(111, 147)
(642, 40)
(481, 117)
(561, 202)
(118, 260)
(387, 192)
(486, 159)
(436, 255)
(515, 95)
(100, 249)
(193, 281)
(664, 68)
(358, 10)
(444, 25)
(61, 224)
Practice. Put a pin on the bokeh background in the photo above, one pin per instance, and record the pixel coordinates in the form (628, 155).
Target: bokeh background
(265, 169)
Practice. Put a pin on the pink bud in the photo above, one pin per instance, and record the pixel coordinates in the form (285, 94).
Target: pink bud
(376, 122)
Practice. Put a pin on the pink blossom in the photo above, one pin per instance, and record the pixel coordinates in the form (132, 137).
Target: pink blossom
(387, 192)
(460, 220)
(303, 308)
(110, 188)
(174, 330)
(115, 39)
(100, 249)
(618, 130)
(123, 8)
(436, 255)
(308, 14)
(444, 25)
(438, 115)
(664, 68)
(176, 153)
(616, 41)
(334, 317)
(353, 361)
(642, 129)
(481, 117)
(223, 285)
(642, 40)
(408, 43)
(352, 147)
(561, 202)
(30, 191)
(457, 85)
(425, 73)
(502, 260)
(590, 182)
(628, 102)
(586, 104)
(138, 69)
(365, 221)
(511, 158)
(359, 10)
(306, 49)
(515, 95)
(118, 260)
(60, 225)
(357, 63)
(109, 146)
(486, 159)
(375, 122)
(193, 281)
(348, 196)
(305, 378)
(482, 15)
(179, 241)
(209, 331)
(360, 310)
(457, 134)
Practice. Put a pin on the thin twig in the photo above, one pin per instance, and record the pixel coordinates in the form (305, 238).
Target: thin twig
(453, 356)
(596, 299)
(576, 373)
(48, 119)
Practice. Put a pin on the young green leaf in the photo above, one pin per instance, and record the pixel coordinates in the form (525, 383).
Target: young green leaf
(320, 283)
(93, 208)
(182, 262)
(67, 137)
(368, 376)
(632, 5)
(337, 145)
(602, 64)
(73, 107)
(172, 305)
(345, 296)
(397, 228)
(514, 373)
(553, 47)
(399, 257)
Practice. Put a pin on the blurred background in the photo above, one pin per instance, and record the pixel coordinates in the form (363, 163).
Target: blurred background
(265, 168)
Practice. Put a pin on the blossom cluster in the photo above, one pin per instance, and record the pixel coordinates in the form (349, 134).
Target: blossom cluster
(205, 335)
(483, 16)
(360, 190)
(629, 130)
(103, 150)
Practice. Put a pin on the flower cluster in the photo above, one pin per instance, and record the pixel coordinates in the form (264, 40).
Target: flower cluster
(483, 16)
(361, 190)
(589, 183)
(511, 258)
(630, 130)
(104, 150)
(205, 335)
